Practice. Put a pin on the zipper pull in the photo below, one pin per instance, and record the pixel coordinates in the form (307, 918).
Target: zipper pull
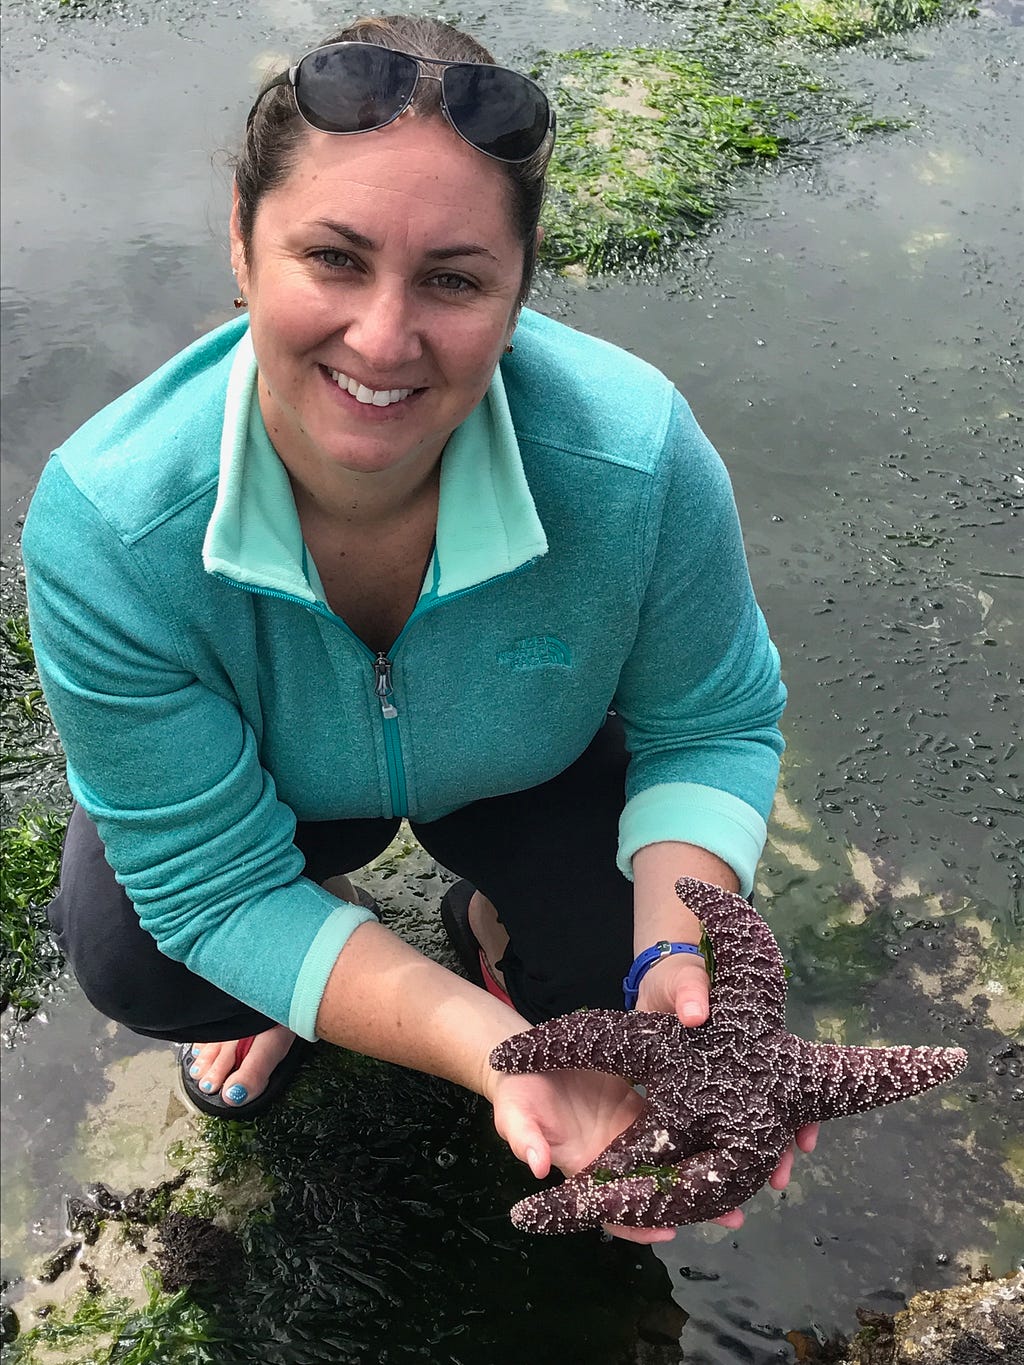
(382, 669)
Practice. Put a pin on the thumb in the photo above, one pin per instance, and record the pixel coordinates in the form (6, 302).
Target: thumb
(529, 1144)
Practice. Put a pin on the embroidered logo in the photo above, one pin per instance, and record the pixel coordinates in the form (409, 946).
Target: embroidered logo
(539, 651)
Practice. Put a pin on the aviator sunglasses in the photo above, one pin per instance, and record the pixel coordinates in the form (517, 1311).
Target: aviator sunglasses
(357, 87)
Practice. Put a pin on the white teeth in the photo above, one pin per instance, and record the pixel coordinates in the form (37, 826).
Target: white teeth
(378, 398)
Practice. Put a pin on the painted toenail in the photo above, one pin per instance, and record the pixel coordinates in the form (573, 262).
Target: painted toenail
(236, 1094)
(206, 1086)
(193, 1070)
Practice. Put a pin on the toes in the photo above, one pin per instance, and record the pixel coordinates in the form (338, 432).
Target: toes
(244, 1082)
(212, 1064)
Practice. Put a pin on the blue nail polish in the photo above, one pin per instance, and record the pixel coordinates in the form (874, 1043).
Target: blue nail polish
(194, 1070)
(196, 1049)
(206, 1086)
(236, 1094)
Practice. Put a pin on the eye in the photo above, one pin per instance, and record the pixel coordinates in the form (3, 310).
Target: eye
(451, 283)
(333, 258)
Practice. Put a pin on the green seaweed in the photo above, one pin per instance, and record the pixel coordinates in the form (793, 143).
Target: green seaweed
(169, 1329)
(30, 848)
(652, 141)
(647, 141)
(840, 22)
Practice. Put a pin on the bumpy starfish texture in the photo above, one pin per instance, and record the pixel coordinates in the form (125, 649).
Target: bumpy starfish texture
(723, 1100)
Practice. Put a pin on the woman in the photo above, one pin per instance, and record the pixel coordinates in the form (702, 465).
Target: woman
(391, 546)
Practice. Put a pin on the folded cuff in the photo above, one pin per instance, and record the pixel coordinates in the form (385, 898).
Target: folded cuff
(689, 813)
(318, 964)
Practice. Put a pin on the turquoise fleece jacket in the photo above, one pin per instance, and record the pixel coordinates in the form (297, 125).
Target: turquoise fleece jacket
(588, 556)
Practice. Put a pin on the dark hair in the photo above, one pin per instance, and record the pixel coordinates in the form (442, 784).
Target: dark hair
(276, 131)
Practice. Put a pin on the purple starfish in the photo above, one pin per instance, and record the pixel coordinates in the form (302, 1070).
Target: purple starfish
(722, 1100)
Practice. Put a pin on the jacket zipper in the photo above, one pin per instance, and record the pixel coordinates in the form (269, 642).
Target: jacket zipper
(382, 689)
(382, 667)
(392, 743)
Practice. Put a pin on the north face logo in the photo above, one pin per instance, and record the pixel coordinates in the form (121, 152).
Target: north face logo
(540, 651)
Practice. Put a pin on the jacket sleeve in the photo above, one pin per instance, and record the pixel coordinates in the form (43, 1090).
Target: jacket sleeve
(700, 694)
(168, 769)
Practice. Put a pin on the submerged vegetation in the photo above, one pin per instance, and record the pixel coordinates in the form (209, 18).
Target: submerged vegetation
(31, 834)
(29, 865)
(651, 140)
(647, 143)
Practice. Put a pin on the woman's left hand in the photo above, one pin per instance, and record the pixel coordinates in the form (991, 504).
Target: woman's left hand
(567, 1118)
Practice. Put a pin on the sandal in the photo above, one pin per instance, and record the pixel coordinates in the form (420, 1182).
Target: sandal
(280, 1078)
(455, 919)
(214, 1107)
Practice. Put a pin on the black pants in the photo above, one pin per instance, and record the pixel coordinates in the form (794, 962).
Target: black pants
(545, 857)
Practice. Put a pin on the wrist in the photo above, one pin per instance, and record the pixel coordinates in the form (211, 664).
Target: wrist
(488, 1081)
(648, 958)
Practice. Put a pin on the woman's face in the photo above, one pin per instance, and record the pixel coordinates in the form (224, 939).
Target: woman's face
(382, 282)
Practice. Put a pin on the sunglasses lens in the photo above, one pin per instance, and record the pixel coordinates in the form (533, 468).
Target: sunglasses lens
(497, 110)
(353, 87)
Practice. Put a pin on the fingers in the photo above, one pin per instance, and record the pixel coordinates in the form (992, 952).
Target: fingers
(645, 1236)
(733, 1219)
(779, 1178)
(807, 1137)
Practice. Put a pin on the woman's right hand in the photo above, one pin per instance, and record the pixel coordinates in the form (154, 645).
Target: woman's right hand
(566, 1119)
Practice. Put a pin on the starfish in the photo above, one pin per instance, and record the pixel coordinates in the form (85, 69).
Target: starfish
(722, 1101)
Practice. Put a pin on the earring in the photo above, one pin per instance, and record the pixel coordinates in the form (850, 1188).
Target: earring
(509, 349)
(240, 301)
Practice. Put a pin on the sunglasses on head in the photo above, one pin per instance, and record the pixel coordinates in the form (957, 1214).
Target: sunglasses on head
(357, 87)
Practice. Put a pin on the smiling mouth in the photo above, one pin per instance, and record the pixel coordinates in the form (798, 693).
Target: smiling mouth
(378, 398)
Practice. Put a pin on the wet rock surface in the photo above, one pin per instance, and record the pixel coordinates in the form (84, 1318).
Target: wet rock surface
(973, 1324)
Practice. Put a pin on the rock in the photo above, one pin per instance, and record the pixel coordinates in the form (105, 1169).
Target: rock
(662, 1324)
(58, 1261)
(9, 1325)
(972, 1324)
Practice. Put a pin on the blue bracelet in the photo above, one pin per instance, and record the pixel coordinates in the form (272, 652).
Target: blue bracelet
(643, 964)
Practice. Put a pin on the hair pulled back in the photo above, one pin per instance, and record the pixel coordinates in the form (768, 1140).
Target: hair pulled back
(276, 130)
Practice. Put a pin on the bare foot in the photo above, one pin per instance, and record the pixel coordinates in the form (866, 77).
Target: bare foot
(213, 1065)
(489, 932)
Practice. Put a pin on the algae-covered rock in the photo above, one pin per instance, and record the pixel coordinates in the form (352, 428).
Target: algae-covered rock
(972, 1324)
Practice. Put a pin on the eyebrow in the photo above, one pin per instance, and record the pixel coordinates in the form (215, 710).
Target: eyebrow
(441, 253)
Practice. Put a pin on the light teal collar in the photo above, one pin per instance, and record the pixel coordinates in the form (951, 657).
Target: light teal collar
(487, 524)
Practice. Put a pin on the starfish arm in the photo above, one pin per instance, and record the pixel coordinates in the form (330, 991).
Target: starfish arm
(632, 1045)
(703, 1187)
(848, 1080)
(750, 982)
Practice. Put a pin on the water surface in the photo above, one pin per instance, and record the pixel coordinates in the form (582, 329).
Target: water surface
(850, 337)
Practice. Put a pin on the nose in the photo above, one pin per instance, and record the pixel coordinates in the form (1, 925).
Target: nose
(385, 332)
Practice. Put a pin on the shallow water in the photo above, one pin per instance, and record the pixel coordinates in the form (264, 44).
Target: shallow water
(851, 339)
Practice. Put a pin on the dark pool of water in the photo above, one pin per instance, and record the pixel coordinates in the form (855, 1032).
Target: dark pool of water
(851, 339)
